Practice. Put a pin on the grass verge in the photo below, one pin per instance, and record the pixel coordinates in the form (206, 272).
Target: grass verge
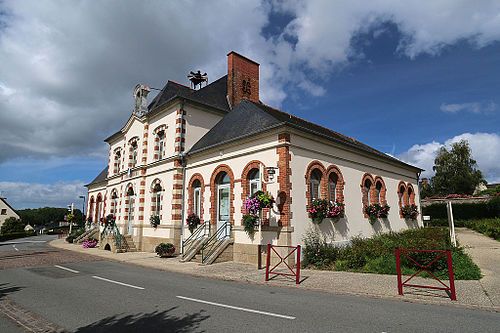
(377, 255)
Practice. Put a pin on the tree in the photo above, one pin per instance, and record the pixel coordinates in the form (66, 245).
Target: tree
(43, 216)
(426, 190)
(12, 225)
(456, 170)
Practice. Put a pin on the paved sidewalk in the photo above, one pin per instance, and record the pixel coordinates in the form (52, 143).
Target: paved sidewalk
(470, 294)
(485, 252)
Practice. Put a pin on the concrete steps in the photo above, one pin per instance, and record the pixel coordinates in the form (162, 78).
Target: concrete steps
(193, 250)
(87, 234)
(223, 253)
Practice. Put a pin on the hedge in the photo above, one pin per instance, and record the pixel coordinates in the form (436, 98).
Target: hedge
(466, 210)
(14, 235)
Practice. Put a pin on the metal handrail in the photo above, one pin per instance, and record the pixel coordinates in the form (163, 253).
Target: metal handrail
(113, 229)
(200, 232)
(212, 244)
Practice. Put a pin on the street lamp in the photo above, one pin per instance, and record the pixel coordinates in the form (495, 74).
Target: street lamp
(83, 209)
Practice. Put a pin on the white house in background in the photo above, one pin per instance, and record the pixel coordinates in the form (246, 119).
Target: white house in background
(6, 211)
(204, 151)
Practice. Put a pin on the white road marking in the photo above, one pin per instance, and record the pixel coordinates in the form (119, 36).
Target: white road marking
(67, 269)
(15, 248)
(237, 308)
(120, 283)
(21, 242)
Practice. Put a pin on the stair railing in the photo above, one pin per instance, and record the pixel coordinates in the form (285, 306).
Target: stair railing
(113, 230)
(215, 241)
(200, 232)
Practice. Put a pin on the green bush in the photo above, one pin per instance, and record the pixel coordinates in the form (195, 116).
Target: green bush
(466, 210)
(14, 235)
(377, 254)
(12, 225)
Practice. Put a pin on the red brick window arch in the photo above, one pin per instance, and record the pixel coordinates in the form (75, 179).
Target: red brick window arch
(406, 195)
(335, 184)
(133, 152)
(222, 175)
(316, 182)
(196, 189)
(160, 142)
(251, 182)
(114, 203)
(156, 198)
(117, 158)
(379, 192)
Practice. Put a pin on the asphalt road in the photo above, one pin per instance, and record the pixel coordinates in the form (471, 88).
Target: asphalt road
(102, 296)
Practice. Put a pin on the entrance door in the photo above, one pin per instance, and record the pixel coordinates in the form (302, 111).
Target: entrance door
(131, 206)
(223, 194)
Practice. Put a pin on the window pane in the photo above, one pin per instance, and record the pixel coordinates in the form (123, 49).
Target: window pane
(197, 200)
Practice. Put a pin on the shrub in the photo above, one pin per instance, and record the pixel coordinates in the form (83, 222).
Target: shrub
(70, 238)
(14, 235)
(165, 249)
(12, 225)
(466, 210)
(376, 255)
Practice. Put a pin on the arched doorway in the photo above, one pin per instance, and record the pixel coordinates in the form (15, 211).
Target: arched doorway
(223, 199)
(131, 207)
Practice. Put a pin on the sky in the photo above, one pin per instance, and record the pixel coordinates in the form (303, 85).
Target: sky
(404, 77)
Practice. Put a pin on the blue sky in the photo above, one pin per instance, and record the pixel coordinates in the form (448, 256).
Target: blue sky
(402, 79)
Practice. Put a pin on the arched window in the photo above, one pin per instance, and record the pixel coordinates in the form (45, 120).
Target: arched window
(118, 161)
(99, 208)
(315, 184)
(197, 198)
(223, 197)
(254, 181)
(133, 153)
(378, 190)
(411, 196)
(157, 200)
(366, 192)
(161, 144)
(332, 186)
(114, 203)
(401, 195)
(90, 213)
(131, 207)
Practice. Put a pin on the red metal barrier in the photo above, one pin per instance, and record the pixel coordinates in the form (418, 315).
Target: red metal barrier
(62, 234)
(401, 284)
(295, 273)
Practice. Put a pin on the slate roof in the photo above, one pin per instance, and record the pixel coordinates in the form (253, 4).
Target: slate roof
(214, 94)
(249, 118)
(100, 178)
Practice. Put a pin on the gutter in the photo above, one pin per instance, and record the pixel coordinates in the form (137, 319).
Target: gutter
(182, 155)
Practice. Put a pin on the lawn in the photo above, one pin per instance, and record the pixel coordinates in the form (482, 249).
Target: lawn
(377, 255)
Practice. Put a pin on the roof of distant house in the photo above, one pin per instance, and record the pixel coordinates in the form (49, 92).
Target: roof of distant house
(5, 202)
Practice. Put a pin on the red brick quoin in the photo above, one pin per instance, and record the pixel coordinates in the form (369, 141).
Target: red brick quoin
(285, 185)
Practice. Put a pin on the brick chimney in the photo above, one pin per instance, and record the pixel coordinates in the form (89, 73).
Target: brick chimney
(425, 181)
(242, 79)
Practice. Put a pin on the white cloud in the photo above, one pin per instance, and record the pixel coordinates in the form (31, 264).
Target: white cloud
(485, 149)
(68, 69)
(33, 195)
(475, 107)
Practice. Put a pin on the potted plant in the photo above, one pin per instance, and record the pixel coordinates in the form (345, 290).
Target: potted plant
(249, 221)
(409, 212)
(192, 222)
(254, 205)
(165, 250)
(154, 220)
(318, 211)
(376, 211)
(108, 221)
(335, 210)
(89, 243)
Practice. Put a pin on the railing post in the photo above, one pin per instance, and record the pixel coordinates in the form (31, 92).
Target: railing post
(451, 275)
(297, 279)
(398, 268)
(268, 262)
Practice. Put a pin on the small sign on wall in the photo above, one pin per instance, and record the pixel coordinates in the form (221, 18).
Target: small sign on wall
(272, 174)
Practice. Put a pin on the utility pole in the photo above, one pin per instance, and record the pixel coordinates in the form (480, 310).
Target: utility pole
(71, 208)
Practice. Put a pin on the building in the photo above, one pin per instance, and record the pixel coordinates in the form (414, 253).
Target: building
(206, 150)
(6, 211)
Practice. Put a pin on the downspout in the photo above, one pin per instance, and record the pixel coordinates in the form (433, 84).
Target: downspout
(420, 197)
(183, 161)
